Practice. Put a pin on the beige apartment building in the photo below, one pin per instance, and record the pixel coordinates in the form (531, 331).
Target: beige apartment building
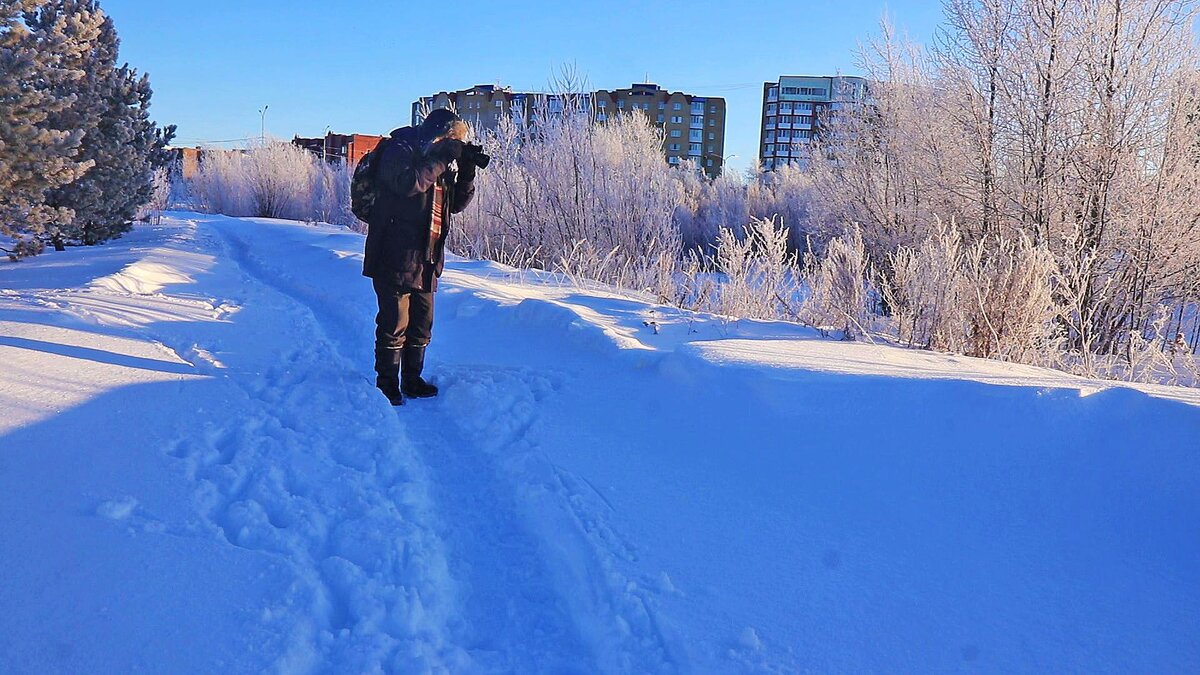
(693, 126)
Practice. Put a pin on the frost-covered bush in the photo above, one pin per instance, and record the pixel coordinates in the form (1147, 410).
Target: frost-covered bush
(787, 194)
(708, 205)
(594, 199)
(839, 287)
(160, 197)
(993, 299)
(1008, 303)
(759, 273)
(924, 290)
(274, 180)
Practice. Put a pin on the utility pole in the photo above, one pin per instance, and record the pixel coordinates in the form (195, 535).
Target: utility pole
(262, 130)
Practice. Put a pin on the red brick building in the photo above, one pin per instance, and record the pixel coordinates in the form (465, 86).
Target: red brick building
(339, 147)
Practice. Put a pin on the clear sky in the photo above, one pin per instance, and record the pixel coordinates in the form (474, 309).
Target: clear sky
(357, 65)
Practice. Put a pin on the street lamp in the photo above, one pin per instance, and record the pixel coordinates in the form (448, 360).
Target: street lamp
(724, 158)
(325, 144)
(262, 130)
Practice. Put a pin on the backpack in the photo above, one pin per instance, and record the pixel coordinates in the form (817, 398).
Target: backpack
(364, 189)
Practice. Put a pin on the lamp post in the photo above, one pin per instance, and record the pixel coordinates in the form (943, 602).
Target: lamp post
(325, 145)
(724, 158)
(262, 129)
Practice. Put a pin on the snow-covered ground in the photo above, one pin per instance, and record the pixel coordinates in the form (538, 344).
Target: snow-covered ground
(196, 475)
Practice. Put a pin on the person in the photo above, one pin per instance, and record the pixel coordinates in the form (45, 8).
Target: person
(423, 177)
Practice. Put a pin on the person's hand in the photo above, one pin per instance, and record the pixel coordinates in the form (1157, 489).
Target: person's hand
(466, 168)
(447, 149)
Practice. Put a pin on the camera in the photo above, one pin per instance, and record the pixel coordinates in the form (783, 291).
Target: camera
(474, 154)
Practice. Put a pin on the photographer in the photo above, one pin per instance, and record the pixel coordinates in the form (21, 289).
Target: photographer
(424, 174)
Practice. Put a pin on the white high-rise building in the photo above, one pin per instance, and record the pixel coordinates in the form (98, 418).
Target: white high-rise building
(792, 111)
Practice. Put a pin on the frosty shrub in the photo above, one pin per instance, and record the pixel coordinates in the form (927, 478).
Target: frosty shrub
(759, 273)
(924, 290)
(279, 179)
(220, 185)
(787, 194)
(839, 287)
(993, 299)
(160, 197)
(591, 199)
(274, 180)
(706, 206)
(1007, 301)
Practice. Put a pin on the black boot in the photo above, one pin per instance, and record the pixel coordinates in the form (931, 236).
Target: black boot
(387, 378)
(411, 382)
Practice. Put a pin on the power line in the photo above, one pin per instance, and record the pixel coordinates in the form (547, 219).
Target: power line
(201, 140)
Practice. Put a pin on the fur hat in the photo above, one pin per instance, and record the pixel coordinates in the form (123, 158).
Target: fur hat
(443, 122)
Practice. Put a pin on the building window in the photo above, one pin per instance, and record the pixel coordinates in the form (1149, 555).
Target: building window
(672, 160)
(675, 133)
(697, 119)
(662, 105)
(621, 104)
(600, 117)
(660, 119)
(694, 149)
(770, 108)
(602, 104)
(499, 103)
(710, 148)
(676, 119)
(712, 136)
(806, 91)
(712, 123)
(677, 106)
(710, 162)
(673, 146)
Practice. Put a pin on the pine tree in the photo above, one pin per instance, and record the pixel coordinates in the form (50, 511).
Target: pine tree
(125, 146)
(37, 151)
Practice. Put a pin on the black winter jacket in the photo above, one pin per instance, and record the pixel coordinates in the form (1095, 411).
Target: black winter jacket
(398, 247)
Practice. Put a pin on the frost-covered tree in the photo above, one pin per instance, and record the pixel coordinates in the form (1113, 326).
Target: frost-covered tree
(40, 68)
(112, 105)
(1045, 130)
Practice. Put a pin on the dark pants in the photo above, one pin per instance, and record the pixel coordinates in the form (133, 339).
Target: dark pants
(405, 318)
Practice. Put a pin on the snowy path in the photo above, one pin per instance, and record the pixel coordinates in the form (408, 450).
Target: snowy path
(509, 618)
(198, 475)
(519, 604)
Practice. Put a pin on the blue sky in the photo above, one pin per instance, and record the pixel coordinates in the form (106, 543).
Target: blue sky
(358, 65)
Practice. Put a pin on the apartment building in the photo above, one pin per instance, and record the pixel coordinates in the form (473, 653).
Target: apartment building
(792, 110)
(693, 126)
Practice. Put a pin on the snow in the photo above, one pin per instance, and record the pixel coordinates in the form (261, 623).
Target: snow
(196, 474)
